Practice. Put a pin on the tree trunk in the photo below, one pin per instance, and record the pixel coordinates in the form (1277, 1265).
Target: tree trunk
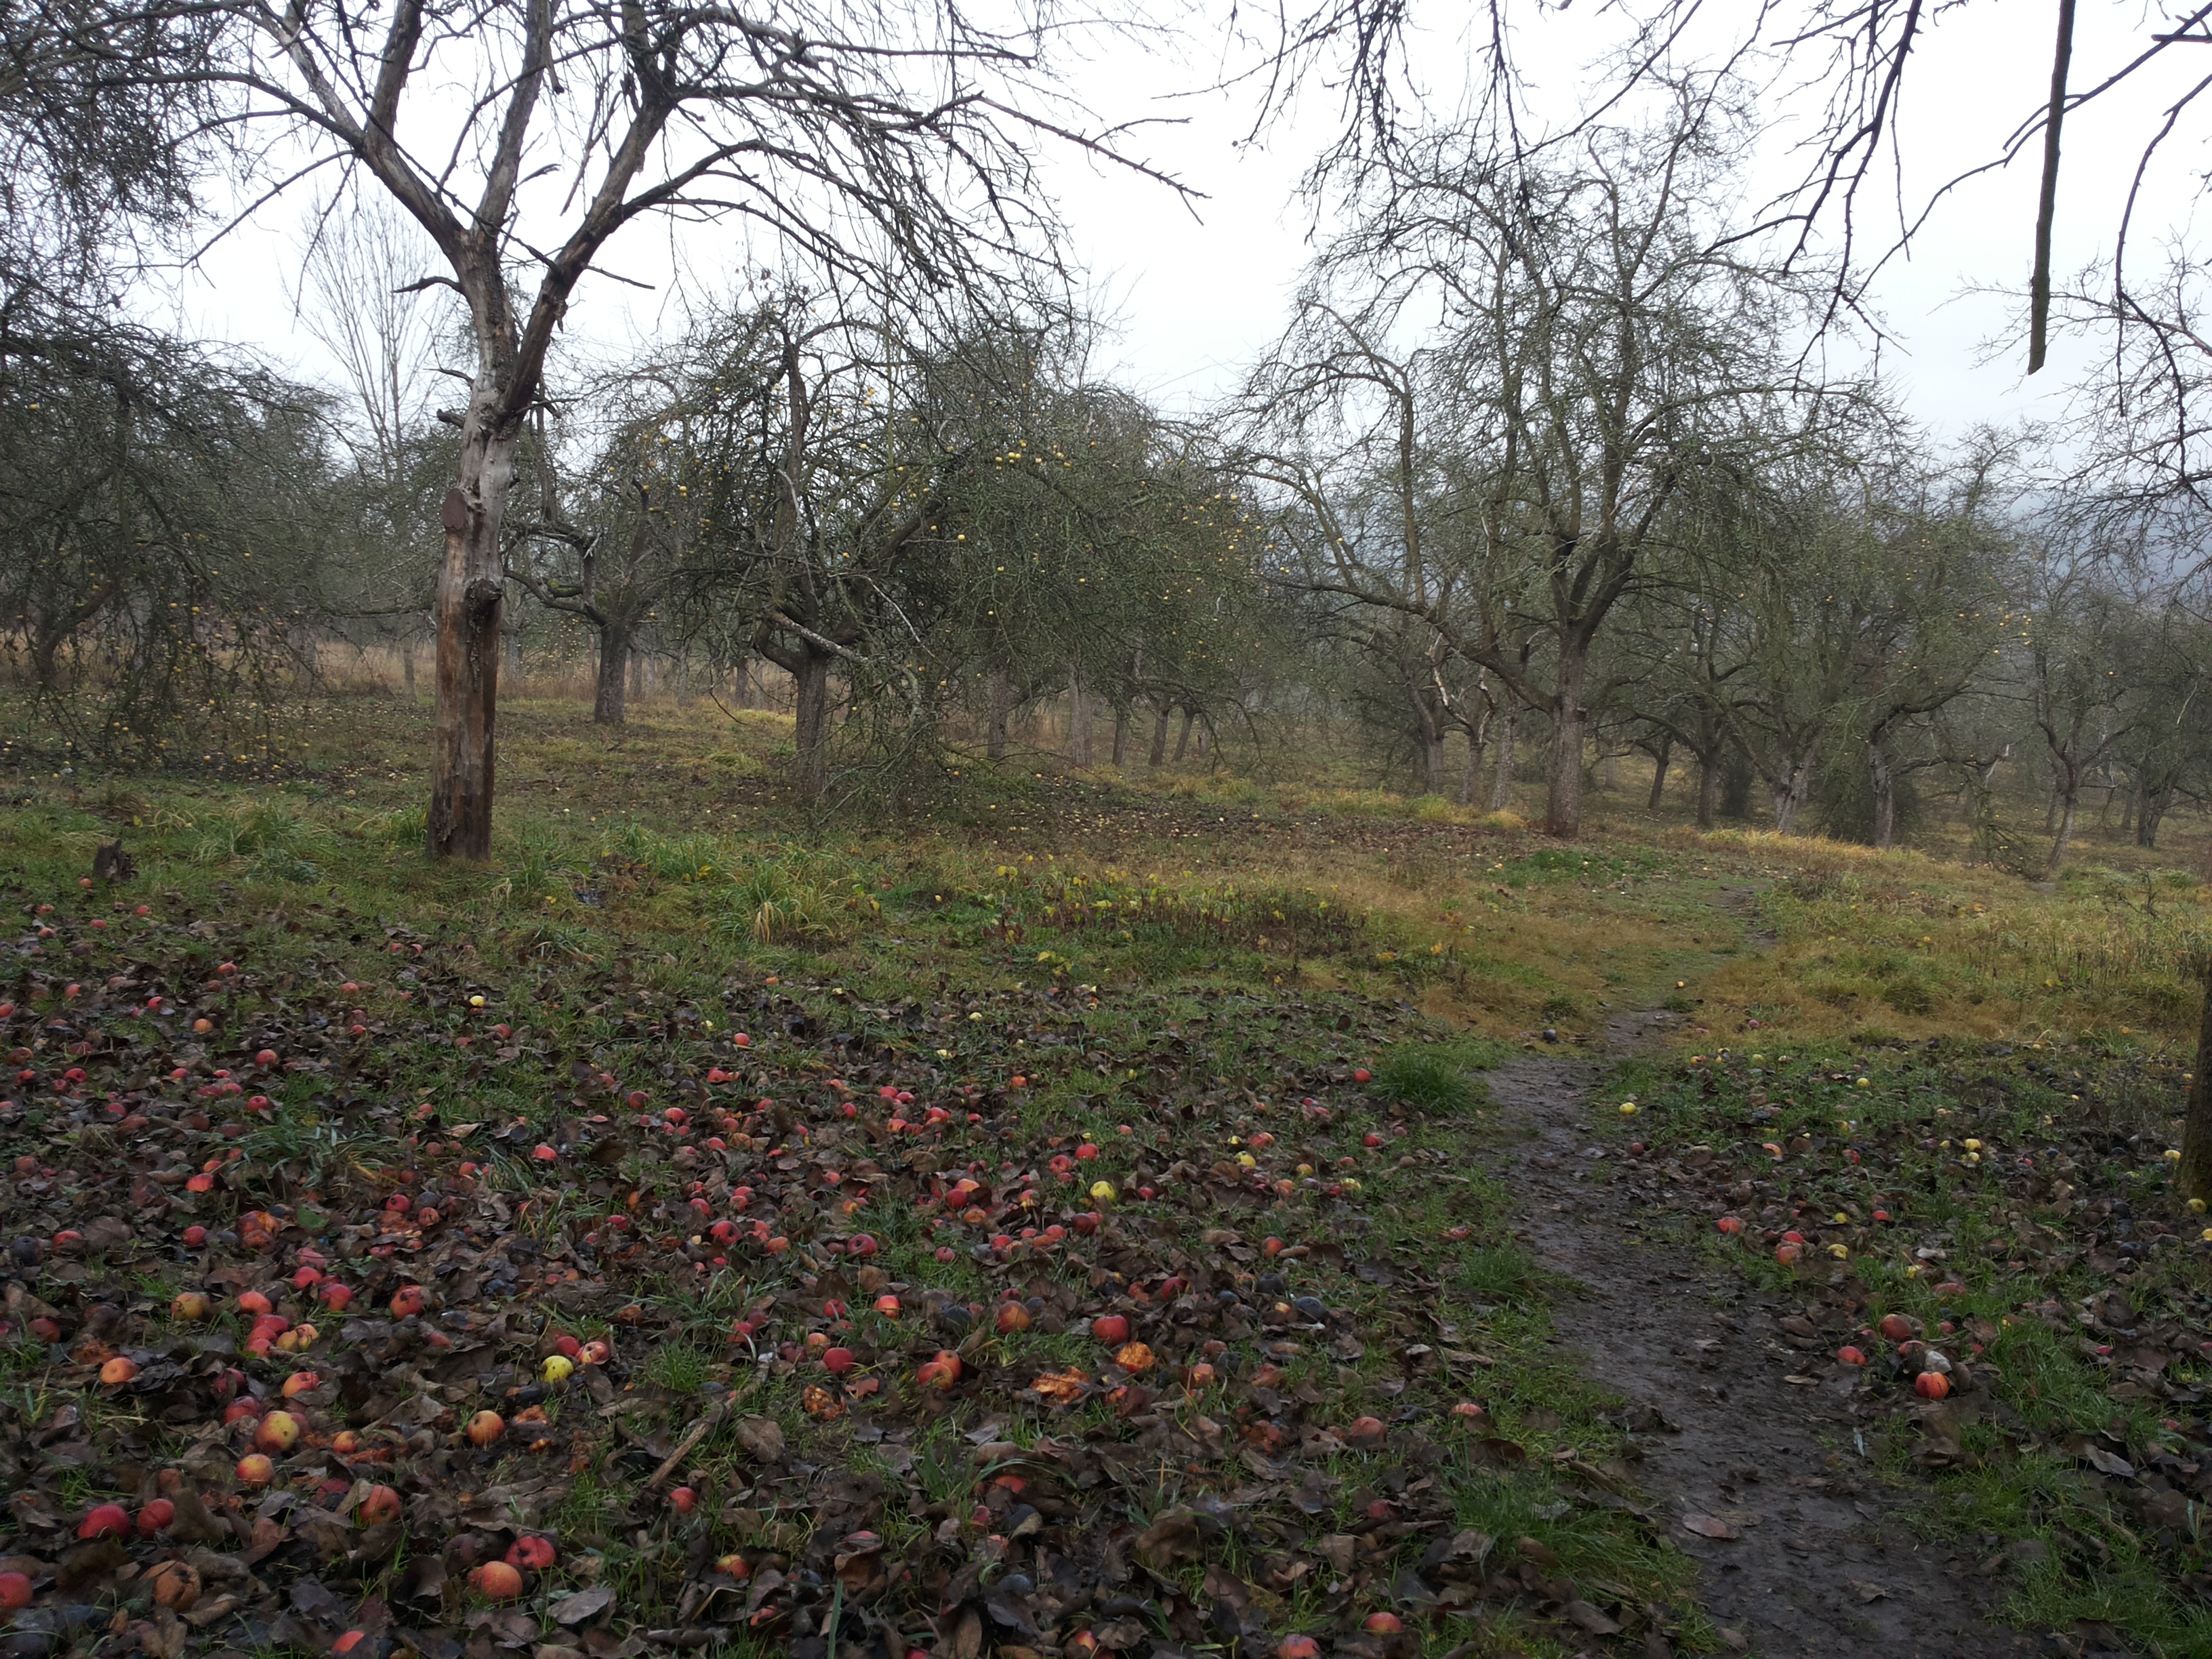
(1159, 755)
(2068, 809)
(607, 704)
(2155, 798)
(995, 728)
(471, 590)
(1433, 744)
(1078, 720)
(1789, 793)
(1883, 772)
(407, 667)
(1659, 772)
(2134, 800)
(1562, 805)
(1609, 773)
(1120, 737)
(1708, 786)
(637, 673)
(810, 733)
(1183, 738)
(2193, 1175)
(1501, 783)
(1471, 775)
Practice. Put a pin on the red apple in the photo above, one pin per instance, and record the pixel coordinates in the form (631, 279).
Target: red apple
(486, 1427)
(496, 1581)
(407, 1302)
(190, 1306)
(155, 1518)
(15, 1592)
(940, 1371)
(533, 1553)
(1013, 1318)
(107, 1521)
(1931, 1385)
(278, 1433)
(682, 1500)
(1111, 1328)
(255, 1470)
(377, 1505)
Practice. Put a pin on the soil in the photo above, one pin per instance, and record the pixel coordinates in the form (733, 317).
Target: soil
(1740, 1434)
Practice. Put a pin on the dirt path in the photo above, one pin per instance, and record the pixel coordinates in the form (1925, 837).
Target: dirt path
(1818, 1564)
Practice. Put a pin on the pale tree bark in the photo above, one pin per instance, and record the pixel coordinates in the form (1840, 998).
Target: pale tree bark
(1501, 786)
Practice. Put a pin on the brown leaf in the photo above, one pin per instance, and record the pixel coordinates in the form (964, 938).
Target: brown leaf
(1591, 1618)
(1169, 1542)
(762, 1437)
(1708, 1526)
(966, 1641)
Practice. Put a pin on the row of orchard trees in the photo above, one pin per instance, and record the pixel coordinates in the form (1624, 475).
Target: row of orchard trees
(909, 531)
(918, 524)
(1544, 449)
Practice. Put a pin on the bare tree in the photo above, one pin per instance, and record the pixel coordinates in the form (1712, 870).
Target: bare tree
(892, 143)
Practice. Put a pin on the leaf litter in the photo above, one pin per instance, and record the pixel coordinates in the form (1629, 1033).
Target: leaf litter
(599, 1321)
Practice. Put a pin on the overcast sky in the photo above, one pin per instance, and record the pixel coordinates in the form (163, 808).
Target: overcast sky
(1195, 291)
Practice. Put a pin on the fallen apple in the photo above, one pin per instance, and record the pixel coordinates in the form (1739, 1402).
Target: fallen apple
(175, 1584)
(191, 1306)
(1013, 1318)
(279, 1432)
(299, 1382)
(118, 1371)
(105, 1521)
(1112, 1329)
(530, 1551)
(1931, 1385)
(682, 1500)
(255, 1470)
(1382, 1623)
(156, 1517)
(496, 1581)
(15, 1592)
(939, 1371)
(377, 1505)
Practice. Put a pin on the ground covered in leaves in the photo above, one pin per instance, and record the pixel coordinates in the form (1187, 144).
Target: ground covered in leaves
(2008, 1204)
(363, 1296)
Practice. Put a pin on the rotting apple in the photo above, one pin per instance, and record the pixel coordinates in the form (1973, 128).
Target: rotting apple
(485, 1427)
(533, 1551)
(377, 1505)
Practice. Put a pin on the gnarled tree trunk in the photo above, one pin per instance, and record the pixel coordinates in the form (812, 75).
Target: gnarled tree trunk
(810, 674)
(608, 708)
(1562, 806)
(471, 590)
(1159, 755)
(1659, 772)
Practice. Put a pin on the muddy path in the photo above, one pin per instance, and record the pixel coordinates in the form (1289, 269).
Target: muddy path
(1752, 1449)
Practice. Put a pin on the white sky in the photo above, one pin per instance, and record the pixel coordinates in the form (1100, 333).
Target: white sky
(1196, 295)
